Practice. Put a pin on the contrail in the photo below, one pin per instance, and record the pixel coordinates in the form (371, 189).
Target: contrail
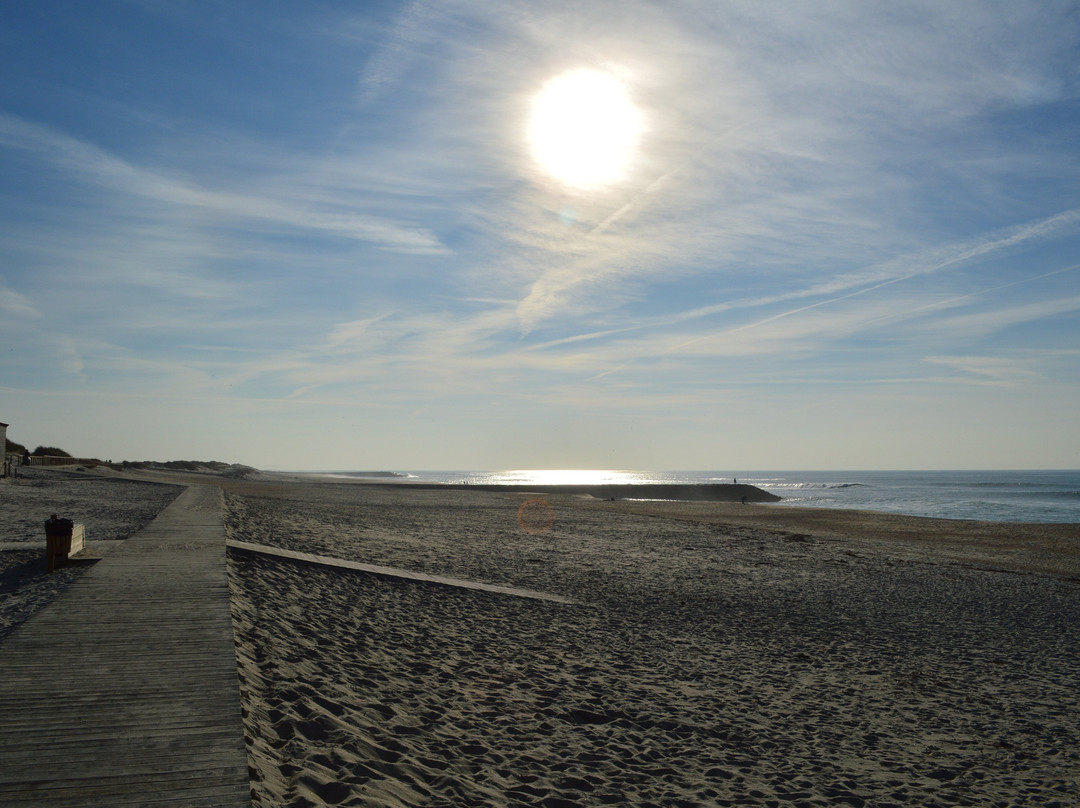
(1031, 231)
(941, 303)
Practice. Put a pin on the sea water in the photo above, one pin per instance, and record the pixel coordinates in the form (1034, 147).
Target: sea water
(997, 496)
(1000, 496)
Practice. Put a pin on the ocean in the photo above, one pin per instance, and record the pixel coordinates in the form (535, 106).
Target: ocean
(998, 496)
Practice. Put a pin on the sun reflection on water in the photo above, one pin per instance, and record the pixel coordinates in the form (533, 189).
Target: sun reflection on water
(569, 477)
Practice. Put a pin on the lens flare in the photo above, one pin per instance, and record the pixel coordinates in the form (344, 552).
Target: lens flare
(535, 516)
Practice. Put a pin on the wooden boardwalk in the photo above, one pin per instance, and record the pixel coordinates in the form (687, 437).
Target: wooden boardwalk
(123, 691)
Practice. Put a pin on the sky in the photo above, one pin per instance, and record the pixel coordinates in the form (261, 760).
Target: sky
(331, 235)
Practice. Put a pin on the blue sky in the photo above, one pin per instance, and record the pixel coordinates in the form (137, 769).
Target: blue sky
(316, 236)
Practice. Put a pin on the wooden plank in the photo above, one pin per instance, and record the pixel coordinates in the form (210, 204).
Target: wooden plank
(393, 572)
(78, 538)
(123, 691)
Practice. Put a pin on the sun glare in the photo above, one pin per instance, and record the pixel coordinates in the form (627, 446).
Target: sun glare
(584, 128)
(568, 477)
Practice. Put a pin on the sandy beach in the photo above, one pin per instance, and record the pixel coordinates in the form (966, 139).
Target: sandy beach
(715, 654)
(111, 507)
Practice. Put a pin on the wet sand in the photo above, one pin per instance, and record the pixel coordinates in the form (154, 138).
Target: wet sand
(715, 654)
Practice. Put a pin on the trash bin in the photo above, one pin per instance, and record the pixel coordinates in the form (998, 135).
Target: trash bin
(57, 541)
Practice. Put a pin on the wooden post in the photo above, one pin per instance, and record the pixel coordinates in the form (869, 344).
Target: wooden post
(57, 542)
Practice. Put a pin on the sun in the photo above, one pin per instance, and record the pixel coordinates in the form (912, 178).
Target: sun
(584, 129)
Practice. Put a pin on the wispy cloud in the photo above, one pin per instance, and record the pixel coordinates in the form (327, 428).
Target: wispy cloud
(846, 194)
(994, 369)
(800, 160)
(277, 206)
(16, 306)
(1000, 318)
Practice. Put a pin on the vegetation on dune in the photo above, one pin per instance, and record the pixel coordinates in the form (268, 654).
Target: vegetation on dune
(49, 451)
(11, 447)
(198, 466)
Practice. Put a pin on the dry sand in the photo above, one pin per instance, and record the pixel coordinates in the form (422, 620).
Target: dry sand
(717, 655)
(111, 508)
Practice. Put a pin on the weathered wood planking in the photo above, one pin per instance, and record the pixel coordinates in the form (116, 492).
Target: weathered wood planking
(78, 538)
(392, 572)
(123, 691)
